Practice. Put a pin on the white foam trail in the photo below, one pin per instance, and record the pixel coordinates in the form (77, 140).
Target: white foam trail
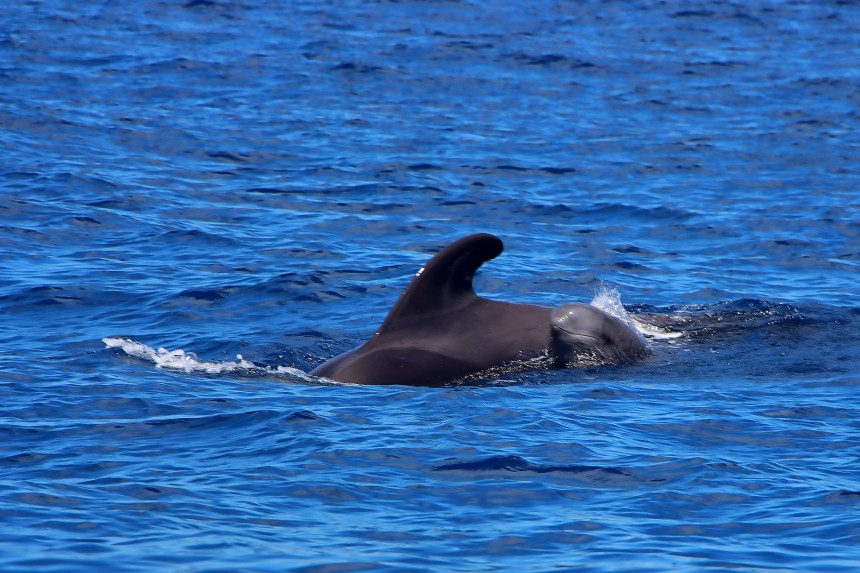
(188, 361)
(655, 332)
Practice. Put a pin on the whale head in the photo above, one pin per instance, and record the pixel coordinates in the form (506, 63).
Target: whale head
(583, 335)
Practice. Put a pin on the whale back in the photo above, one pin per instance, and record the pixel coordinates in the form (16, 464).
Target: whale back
(440, 331)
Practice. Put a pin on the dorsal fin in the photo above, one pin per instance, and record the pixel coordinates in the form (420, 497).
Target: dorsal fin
(446, 281)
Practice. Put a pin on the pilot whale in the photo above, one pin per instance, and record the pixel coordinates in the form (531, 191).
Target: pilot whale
(440, 331)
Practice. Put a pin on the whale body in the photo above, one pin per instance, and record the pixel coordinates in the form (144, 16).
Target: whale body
(440, 331)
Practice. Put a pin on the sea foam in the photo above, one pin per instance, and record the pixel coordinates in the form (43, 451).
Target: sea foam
(189, 362)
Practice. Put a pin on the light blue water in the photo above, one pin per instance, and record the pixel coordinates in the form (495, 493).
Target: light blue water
(263, 179)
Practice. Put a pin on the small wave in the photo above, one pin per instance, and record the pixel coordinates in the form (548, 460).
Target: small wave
(510, 464)
(733, 316)
(189, 362)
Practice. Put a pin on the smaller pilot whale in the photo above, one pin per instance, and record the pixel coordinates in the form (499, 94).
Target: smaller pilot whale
(583, 335)
(440, 331)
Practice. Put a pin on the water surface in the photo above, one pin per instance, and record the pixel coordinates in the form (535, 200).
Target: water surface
(263, 179)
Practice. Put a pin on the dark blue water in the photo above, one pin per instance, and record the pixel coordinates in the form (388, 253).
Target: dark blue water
(262, 179)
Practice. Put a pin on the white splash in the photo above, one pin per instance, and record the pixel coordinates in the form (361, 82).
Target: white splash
(188, 361)
(608, 299)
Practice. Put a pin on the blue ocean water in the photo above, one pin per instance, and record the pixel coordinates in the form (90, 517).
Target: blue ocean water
(230, 193)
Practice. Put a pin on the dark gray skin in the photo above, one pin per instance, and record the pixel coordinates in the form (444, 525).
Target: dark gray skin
(440, 331)
(583, 335)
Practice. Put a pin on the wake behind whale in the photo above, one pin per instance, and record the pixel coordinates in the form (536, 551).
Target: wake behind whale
(441, 332)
